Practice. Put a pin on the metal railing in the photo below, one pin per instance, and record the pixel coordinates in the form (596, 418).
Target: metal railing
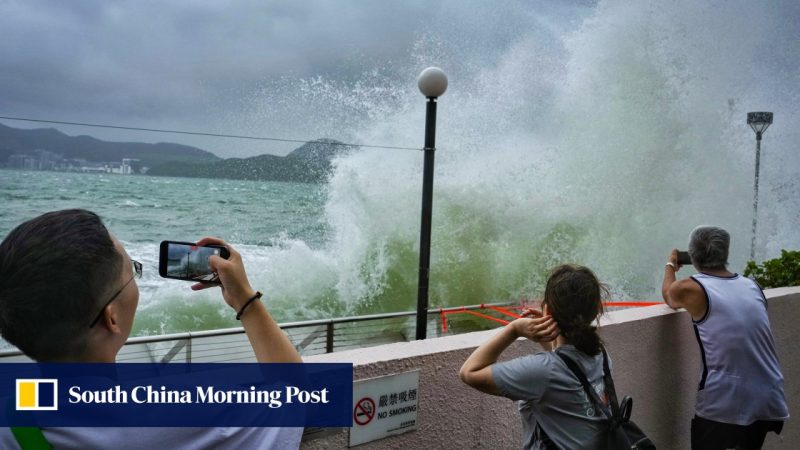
(309, 337)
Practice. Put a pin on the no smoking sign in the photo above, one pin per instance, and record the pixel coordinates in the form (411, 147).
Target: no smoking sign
(364, 411)
(384, 406)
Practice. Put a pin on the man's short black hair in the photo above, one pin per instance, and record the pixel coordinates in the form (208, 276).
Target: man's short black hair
(55, 271)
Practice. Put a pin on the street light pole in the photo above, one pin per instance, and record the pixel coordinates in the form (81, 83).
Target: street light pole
(432, 82)
(759, 122)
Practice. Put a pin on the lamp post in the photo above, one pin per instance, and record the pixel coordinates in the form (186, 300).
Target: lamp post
(759, 122)
(432, 82)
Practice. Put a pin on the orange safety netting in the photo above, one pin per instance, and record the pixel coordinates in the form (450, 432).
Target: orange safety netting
(505, 310)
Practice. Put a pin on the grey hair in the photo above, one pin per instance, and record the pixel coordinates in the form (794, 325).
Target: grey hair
(708, 247)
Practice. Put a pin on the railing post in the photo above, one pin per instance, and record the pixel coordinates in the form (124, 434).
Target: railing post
(329, 338)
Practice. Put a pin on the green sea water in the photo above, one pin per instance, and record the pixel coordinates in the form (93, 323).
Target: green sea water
(315, 253)
(142, 211)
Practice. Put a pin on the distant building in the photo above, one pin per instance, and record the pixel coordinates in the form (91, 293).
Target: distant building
(47, 160)
(41, 160)
(127, 165)
(126, 168)
(16, 161)
(90, 167)
(22, 162)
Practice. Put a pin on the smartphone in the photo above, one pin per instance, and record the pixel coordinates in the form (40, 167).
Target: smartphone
(188, 261)
(684, 259)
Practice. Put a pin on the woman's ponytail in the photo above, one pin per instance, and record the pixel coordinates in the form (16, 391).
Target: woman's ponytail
(584, 337)
(573, 297)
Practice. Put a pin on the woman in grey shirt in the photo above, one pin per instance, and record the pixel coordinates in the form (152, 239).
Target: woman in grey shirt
(554, 407)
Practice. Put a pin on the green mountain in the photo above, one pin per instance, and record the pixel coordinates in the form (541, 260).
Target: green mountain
(310, 163)
(20, 141)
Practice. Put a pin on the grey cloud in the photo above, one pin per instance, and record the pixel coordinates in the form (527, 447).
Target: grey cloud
(197, 64)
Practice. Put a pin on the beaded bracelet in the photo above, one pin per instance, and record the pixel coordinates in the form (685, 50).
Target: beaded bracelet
(247, 303)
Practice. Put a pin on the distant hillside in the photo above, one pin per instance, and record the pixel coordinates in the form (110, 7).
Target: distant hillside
(16, 140)
(309, 163)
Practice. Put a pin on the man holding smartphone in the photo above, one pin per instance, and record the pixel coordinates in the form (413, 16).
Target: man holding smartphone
(740, 397)
(68, 293)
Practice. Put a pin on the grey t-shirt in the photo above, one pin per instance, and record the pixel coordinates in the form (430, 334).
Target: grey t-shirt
(549, 393)
(225, 438)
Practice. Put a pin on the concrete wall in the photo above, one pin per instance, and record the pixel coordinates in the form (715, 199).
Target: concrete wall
(656, 361)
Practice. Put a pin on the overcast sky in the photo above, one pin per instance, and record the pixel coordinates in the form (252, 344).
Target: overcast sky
(242, 67)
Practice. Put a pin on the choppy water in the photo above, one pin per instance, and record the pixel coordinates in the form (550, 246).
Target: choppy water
(601, 141)
(142, 211)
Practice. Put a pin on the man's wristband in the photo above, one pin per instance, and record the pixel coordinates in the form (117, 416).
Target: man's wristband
(247, 303)
(671, 264)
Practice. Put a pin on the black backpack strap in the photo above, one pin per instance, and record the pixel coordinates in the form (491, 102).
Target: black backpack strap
(609, 382)
(590, 392)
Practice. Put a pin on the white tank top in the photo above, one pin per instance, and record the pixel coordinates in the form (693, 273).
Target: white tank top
(742, 380)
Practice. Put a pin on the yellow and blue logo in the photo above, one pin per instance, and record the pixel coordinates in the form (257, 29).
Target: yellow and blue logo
(37, 394)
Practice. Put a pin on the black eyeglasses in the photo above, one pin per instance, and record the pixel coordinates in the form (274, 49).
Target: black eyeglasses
(137, 273)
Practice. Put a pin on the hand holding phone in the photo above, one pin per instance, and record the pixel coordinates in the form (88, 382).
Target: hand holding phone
(270, 344)
(684, 259)
(189, 261)
(233, 280)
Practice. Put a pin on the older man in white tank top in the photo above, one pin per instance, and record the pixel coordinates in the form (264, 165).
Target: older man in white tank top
(740, 397)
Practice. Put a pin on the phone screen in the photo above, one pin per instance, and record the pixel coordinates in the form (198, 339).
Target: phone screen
(187, 261)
